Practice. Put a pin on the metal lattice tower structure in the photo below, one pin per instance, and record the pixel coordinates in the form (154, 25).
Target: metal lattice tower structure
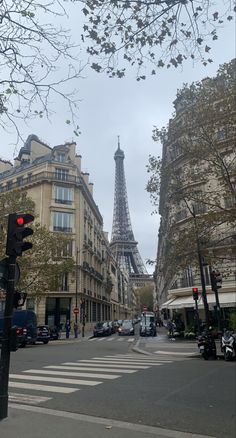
(123, 243)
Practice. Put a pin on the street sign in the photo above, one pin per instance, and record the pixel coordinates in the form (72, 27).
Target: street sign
(76, 310)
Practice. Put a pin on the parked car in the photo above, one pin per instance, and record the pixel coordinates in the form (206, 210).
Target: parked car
(102, 329)
(25, 322)
(43, 334)
(126, 328)
(113, 326)
(55, 333)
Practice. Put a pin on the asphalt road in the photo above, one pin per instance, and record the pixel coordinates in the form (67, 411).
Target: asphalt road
(171, 392)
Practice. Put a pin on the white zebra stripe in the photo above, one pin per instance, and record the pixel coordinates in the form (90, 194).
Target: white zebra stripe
(49, 388)
(128, 361)
(27, 398)
(74, 374)
(89, 368)
(111, 364)
(55, 380)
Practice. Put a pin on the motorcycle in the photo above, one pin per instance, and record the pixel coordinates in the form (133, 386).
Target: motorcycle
(228, 345)
(207, 345)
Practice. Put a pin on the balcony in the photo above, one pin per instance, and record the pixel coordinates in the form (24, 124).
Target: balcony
(39, 177)
(63, 229)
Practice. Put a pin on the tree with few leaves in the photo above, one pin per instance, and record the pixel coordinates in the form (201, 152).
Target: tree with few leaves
(159, 33)
(42, 267)
(38, 62)
(194, 183)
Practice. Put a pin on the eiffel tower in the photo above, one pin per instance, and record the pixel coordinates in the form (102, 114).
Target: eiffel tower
(123, 244)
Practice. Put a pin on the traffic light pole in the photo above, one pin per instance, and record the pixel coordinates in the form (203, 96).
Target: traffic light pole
(5, 353)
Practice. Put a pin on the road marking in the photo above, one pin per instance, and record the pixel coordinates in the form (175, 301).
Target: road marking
(147, 359)
(128, 361)
(89, 368)
(74, 374)
(109, 364)
(175, 353)
(131, 339)
(110, 339)
(48, 388)
(55, 380)
(26, 398)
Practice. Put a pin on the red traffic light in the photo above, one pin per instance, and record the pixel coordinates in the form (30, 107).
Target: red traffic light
(23, 219)
(195, 290)
(20, 220)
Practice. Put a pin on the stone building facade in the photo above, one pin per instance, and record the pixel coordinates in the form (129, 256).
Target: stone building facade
(200, 190)
(64, 202)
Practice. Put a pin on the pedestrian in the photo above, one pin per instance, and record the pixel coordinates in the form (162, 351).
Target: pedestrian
(67, 329)
(76, 329)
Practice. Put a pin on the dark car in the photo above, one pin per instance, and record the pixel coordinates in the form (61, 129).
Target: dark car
(102, 329)
(55, 333)
(126, 328)
(43, 334)
(113, 326)
(25, 322)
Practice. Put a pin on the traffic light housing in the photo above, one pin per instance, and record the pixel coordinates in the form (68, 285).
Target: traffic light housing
(16, 232)
(195, 293)
(216, 280)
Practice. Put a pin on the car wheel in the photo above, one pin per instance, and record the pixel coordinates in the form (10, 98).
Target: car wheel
(45, 342)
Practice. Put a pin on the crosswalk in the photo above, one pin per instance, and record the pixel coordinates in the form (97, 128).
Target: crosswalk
(70, 377)
(113, 339)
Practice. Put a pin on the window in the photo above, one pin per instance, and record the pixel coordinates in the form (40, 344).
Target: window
(19, 180)
(68, 250)
(61, 157)
(63, 221)
(65, 283)
(62, 174)
(30, 304)
(63, 195)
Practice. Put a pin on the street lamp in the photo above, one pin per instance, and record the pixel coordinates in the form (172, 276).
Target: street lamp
(203, 283)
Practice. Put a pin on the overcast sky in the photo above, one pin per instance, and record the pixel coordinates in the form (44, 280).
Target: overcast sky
(125, 107)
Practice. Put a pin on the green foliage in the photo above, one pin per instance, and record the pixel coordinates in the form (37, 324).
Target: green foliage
(145, 294)
(151, 33)
(42, 267)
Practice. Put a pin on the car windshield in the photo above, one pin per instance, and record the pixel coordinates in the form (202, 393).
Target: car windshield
(100, 324)
(127, 324)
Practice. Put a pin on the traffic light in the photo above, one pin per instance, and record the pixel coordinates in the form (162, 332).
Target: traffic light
(19, 299)
(216, 280)
(195, 293)
(16, 232)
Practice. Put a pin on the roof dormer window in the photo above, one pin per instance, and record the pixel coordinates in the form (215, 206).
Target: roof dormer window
(61, 157)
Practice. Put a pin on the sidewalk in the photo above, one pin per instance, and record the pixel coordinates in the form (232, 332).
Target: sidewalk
(37, 422)
(163, 345)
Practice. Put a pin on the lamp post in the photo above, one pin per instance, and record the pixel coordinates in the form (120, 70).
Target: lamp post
(203, 283)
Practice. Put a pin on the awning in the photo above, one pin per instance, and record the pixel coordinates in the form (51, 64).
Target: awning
(226, 299)
(166, 304)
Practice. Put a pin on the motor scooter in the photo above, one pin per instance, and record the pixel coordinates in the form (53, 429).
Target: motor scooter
(228, 345)
(207, 345)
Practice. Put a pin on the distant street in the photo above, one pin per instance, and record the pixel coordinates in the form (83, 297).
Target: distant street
(104, 377)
